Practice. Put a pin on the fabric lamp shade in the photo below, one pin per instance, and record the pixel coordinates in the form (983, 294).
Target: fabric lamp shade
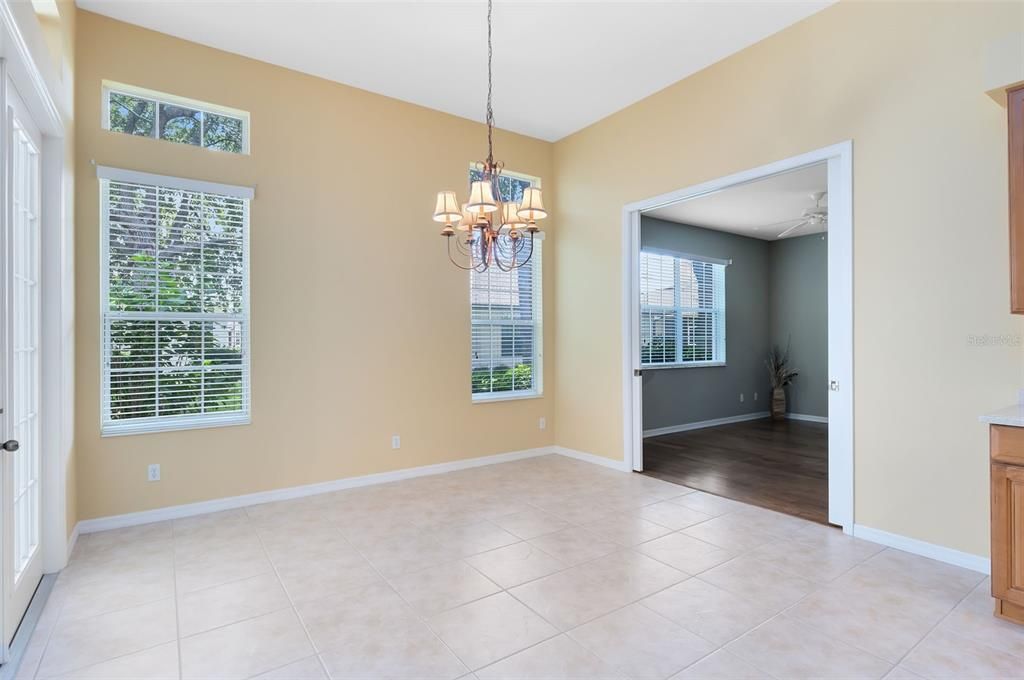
(532, 205)
(510, 217)
(447, 207)
(468, 219)
(481, 198)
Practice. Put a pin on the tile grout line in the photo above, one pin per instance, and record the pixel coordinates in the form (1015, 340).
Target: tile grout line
(252, 526)
(937, 624)
(251, 521)
(291, 603)
(631, 511)
(177, 612)
(415, 613)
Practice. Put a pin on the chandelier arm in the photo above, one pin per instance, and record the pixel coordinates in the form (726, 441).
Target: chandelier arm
(452, 259)
(529, 255)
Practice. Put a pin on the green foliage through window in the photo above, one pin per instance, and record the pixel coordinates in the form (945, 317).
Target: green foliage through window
(145, 117)
(175, 322)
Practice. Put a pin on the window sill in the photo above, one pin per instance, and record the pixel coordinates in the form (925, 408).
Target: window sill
(487, 398)
(120, 429)
(691, 364)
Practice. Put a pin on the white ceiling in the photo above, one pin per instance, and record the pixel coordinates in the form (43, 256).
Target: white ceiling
(762, 209)
(558, 66)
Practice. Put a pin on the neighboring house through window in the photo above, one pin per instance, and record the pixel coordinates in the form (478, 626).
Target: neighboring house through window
(506, 318)
(682, 310)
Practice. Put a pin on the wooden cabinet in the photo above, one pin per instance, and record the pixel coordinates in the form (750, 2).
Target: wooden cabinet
(1007, 472)
(1015, 115)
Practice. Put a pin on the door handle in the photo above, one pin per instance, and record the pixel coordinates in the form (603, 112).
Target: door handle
(11, 445)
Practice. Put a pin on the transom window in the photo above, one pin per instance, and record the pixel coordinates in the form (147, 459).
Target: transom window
(145, 113)
(175, 303)
(507, 342)
(682, 310)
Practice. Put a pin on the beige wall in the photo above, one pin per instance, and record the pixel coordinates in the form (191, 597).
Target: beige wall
(904, 82)
(360, 326)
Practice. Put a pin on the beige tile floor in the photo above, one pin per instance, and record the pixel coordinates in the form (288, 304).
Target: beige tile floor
(542, 568)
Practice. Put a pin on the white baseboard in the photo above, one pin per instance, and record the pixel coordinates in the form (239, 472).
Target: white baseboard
(592, 458)
(701, 424)
(88, 526)
(924, 549)
(810, 419)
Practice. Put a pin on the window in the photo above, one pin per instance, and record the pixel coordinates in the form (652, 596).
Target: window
(135, 111)
(682, 310)
(506, 319)
(175, 303)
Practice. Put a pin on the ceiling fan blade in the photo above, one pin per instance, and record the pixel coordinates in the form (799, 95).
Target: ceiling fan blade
(776, 225)
(792, 229)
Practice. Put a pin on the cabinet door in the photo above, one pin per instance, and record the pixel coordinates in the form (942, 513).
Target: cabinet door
(1008, 533)
(1015, 113)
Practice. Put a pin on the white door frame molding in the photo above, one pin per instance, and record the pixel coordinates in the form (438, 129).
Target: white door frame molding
(41, 94)
(840, 314)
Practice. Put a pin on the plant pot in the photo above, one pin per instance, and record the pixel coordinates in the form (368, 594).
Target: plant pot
(778, 403)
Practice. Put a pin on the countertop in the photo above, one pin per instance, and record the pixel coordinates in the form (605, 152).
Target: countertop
(1011, 415)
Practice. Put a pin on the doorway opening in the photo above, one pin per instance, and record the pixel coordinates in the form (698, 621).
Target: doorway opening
(738, 336)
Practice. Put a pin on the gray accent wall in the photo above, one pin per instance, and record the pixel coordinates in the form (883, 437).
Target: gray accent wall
(674, 396)
(798, 299)
(763, 291)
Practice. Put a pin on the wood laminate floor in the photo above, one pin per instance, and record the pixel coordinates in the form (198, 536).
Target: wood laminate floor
(780, 465)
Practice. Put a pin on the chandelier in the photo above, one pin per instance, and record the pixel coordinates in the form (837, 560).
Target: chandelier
(487, 230)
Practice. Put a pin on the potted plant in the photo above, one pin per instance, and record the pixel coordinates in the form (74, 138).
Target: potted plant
(781, 374)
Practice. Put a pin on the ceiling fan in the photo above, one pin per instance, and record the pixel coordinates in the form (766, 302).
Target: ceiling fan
(814, 216)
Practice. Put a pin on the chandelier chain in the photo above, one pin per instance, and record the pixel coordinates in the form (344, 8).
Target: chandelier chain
(490, 86)
(499, 232)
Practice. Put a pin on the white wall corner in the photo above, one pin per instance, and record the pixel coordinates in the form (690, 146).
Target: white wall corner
(924, 549)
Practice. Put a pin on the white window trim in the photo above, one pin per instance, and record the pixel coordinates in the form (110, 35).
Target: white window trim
(110, 428)
(720, 331)
(137, 177)
(109, 86)
(537, 390)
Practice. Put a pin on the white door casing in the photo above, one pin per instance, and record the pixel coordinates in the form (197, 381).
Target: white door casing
(840, 315)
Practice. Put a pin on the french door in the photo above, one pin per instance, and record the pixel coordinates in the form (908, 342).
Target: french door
(20, 494)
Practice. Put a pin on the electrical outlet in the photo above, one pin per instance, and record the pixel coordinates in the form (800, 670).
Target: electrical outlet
(741, 397)
(153, 473)
(542, 423)
(396, 441)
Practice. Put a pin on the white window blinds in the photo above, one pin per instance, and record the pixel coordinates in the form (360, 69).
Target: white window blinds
(682, 310)
(506, 330)
(175, 307)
